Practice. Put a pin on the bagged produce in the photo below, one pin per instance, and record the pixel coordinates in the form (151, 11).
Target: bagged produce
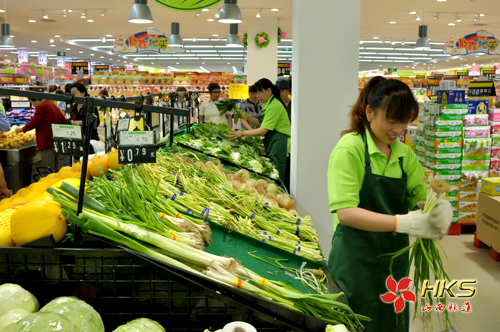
(13, 296)
(82, 315)
(44, 322)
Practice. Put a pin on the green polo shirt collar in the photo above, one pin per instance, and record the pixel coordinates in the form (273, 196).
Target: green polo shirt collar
(397, 149)
(268, 102)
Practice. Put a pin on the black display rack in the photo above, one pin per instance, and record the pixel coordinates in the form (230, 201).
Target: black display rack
(123, 285)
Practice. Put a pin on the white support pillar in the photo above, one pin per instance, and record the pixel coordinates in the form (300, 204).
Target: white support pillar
(262, 62)
(325, 84)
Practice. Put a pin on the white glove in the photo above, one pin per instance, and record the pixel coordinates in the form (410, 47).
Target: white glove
(417, 224)
(441, 215)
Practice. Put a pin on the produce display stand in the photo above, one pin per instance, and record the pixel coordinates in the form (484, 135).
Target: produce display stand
(17, 165)
(123, 285)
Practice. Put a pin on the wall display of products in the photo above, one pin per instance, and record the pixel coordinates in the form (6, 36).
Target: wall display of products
(458, 143)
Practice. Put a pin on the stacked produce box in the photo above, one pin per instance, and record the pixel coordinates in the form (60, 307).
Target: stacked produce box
(443, 142)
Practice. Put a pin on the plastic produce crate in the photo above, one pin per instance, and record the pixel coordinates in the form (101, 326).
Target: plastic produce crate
(123, 285)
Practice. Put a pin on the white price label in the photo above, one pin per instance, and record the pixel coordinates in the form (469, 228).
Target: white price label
(137, 138)
(108, 131)
(123, 124)
(66, 131)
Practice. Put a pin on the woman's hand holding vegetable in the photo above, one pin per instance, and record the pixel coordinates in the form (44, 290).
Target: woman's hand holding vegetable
(441, 215)
(236, 134)
(417, 224)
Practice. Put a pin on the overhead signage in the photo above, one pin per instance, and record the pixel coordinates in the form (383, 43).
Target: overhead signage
(462, 75)
(22, 80)
(80, 68)
(403, 73)
(420, 77)
(392, 70)
(238, 91)
(22, 56)
(61, 61)
(119, 69)
(489, 73)
(151, 41)
(284, 69)
(6, 79)
(42, 59)
(101, 67)
(188, 5)
(481, 41)
(61, 53)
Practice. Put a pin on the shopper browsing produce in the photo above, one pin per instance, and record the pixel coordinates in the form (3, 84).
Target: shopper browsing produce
(79, 113)
(209, 111)
(252, 106)
(374, 180)
(285, 91)
(46, 114)
(273, 124)
(4, 121)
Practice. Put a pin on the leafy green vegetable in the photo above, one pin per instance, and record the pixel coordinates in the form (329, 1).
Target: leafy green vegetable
(9, 320)
(45, 322)
(141, 325)
(82, 315)
(13, 296)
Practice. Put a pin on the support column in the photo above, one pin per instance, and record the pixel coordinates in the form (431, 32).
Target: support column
(262, 62)
(325, 84)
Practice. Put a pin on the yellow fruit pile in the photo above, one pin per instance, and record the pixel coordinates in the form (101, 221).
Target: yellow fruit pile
(105, 163)
(13, 140)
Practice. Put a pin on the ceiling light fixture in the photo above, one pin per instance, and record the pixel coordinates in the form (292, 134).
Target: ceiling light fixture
(68, 49)
(417, 17)
(103, 13)
(205, 10)
(481, 15)
(52, 45)
(423, 42)
(198, 14)
(84, 14)
(103, 39)
(413, 13)
(65, 13)
(5, 38)
(140, 13)
(175, 39)
(33, 41)
(375, 37)
(57, 36)
(451, 24)
(233, 40)
(259, 14)
(230, 12)
(436, 17)
(92, 54)
(392, 22)
(90, 21)
(476, 19)
(31, 21)
(109, 35)
(51, 41)
(45, 15)
(210, 20)
(275, 9)
(459, 18)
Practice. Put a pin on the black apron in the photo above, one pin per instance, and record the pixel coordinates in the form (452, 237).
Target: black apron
(276, 145)
(355, 262)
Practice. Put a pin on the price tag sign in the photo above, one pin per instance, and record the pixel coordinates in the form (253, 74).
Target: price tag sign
(137, 147)
(481, 89)
(22, 56)
(489, 73)
(123, 124)
(67, 140)
(61, 61)
(42, 59)
(107, 137)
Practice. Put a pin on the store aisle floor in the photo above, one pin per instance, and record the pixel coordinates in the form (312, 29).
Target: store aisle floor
(467, 262)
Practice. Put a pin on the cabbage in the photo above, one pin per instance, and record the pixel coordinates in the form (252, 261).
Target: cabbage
(141, 325)
(82, 315)
(9, 320)
(14, 296)
(44, 322)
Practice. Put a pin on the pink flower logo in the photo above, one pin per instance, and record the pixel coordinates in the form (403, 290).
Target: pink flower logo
(398, 293)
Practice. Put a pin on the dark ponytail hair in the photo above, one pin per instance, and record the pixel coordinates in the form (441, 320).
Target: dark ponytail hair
(264, 84)
(382, 94)
(80, 87)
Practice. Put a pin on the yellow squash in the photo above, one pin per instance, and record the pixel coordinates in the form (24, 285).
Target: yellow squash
(5, 237)
(35, 220)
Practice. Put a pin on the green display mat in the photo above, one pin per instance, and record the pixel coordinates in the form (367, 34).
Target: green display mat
(237, 245)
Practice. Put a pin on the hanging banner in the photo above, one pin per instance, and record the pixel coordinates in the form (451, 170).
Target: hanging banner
(480, 42)
(188, 5)
(42, 59)
(61, 61)
(22, 56)
(151, 41)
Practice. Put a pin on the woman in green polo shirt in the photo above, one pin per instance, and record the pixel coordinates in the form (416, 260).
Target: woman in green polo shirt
(274, 125)
(374, 180)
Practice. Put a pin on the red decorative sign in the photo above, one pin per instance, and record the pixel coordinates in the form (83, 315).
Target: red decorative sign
(22, 80)
(6, 79)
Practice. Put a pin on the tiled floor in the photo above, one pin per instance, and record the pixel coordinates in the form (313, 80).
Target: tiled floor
(467, 262)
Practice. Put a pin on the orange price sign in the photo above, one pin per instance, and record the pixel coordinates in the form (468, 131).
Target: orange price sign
(238, 91)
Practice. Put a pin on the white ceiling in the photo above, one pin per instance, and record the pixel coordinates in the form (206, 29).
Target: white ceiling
(375, 18)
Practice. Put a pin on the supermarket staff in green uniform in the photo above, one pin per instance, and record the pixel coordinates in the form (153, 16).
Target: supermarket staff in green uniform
(373, 181)
(274, 125)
